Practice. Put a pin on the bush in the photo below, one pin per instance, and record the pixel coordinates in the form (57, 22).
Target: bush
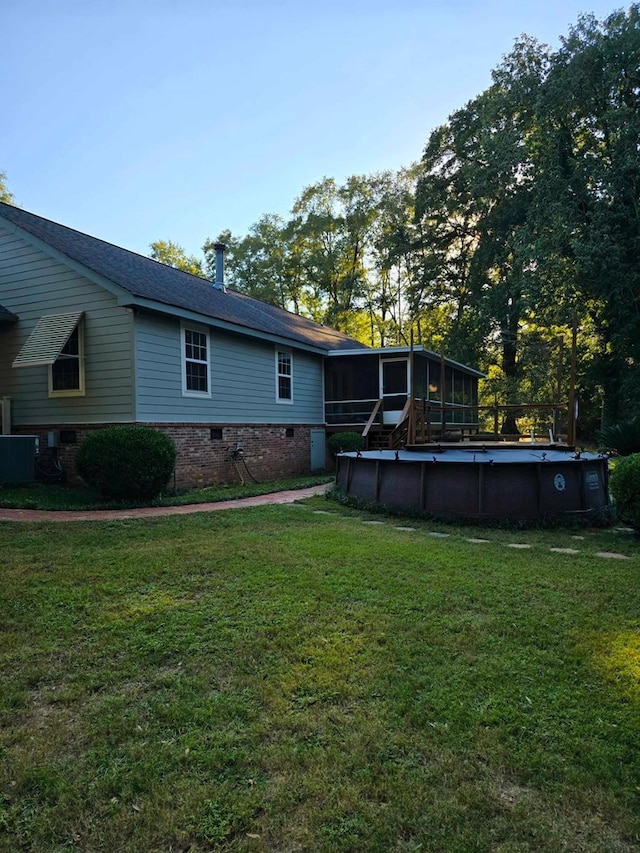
(129, 462)
(625, 488)
(341, 442)
(623, 437)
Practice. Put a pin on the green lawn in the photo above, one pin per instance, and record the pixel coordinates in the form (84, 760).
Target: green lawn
(284, 679)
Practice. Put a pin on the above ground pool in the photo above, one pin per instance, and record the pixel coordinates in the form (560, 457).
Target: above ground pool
(492, 481)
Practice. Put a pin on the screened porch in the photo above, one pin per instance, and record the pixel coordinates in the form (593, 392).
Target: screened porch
(370, 390)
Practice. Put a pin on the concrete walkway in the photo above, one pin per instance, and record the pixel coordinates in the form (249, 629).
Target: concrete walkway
(155, 511)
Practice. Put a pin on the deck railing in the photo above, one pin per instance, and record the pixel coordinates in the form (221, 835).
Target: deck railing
(369, 412)
(429, 420)
(349, 412)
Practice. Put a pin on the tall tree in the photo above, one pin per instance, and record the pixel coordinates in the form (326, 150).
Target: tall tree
(589, 211)
(525, 218)
(389, 254)
(5, 195)
(170, 253)
(473, 201)
(262, 264)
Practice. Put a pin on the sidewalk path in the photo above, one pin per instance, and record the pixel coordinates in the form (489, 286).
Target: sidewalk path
(153, 511)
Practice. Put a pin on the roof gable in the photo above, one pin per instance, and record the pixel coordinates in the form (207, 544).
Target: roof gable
(147, 279)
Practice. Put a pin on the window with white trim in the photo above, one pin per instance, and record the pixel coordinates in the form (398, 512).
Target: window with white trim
(66, 374)
(284, 376)
(195, 363)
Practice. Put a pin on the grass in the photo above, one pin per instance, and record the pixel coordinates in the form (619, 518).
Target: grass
(284, 679)
(52, 497)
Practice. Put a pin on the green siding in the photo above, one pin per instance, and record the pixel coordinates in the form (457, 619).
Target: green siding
(242, 378)
(32, 285)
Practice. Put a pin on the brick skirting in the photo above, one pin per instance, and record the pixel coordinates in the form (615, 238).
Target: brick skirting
(205, 451)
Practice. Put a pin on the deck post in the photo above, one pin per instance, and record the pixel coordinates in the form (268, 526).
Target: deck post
(411, 429)
(571, 429)
(442, 378)
(556, 411)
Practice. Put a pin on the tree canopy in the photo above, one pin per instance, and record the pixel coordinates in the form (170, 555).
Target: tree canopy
(5, 195)
(173, 255)
(521, 220)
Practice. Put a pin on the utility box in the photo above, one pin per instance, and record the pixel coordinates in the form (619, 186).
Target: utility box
(18, 458)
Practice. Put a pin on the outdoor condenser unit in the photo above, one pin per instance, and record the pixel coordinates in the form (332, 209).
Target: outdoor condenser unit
(18, 458)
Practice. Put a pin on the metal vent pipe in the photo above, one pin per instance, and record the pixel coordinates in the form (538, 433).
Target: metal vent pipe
(219, 279)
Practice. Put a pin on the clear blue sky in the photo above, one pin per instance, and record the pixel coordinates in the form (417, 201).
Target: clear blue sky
(135, 120)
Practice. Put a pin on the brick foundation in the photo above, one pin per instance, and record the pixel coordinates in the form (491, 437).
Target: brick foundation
(270, 451)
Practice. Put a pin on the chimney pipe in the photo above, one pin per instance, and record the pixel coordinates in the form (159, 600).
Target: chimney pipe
(219, 280)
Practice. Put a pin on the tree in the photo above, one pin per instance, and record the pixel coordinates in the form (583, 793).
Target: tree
(525, 219)
(262, 263)
(170, 253)
(5, 195)
(330, 258)
(589, 215)
(529, 207)
(473, 201)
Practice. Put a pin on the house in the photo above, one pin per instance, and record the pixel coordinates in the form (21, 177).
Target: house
(93, 335)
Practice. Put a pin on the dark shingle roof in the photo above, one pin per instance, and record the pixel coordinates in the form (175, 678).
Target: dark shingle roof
(148, 279)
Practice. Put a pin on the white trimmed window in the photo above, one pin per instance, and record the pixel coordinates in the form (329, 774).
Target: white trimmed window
(284, 376)
(195, 362)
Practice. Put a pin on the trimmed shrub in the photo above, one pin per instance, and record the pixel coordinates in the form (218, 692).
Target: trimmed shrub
(623, 437)
(343, 442)
(127, 462)
(625, 488)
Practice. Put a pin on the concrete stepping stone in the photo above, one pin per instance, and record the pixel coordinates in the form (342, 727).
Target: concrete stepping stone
(477, 541)
(564, 550)
(610, 555)
(578, 537)
(322, 512)
(520, 545)
(373, 522)
(409, 529)
(437, 535)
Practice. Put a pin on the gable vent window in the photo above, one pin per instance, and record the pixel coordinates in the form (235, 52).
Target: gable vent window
(195, 371)
(284, 376)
